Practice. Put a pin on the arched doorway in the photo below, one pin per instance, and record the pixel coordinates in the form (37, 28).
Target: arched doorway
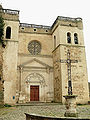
(35, 87)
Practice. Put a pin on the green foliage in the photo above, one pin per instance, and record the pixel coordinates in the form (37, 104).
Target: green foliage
(79, 104)
(1, 29)
(6, 105)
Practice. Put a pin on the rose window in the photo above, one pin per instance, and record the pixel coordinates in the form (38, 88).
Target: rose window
(34, 47)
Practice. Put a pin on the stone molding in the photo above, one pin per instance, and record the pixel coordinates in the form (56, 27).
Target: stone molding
(31, 67)
(68, 46)
(11, 20)
(34, 26)
(36, 60)
(70, 96)
(9, 11)
(28, 55)
(47, 33)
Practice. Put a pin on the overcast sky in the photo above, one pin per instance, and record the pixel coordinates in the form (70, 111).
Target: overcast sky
(44, 12)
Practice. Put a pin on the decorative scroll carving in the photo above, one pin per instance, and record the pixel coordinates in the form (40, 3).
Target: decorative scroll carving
(35, 78)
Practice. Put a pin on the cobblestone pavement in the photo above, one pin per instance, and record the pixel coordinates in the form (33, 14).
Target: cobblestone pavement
(57, 110)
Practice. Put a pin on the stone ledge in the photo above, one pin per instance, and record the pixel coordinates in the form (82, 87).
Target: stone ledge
(39, 117)
(70, 96)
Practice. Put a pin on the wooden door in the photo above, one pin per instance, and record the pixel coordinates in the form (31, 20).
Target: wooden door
(34, 93)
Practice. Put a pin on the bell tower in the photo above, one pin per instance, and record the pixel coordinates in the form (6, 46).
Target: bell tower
(68, 35)
(10, 53)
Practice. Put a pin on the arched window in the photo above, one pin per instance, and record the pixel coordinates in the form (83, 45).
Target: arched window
(54, 41)
(8, 32)
(76, 38)
(68, 37)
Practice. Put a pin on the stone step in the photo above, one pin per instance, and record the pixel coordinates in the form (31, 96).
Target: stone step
(37, 104)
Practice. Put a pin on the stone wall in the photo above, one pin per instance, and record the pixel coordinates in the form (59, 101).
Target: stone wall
(10, 57)
(78, 73)
(77, 51)
(57, 76)
(11, 15)
(34, 29)
(10, 72)
(1, 76)
(44, 39)
(34, 65)
(89, 90)
(19, 64)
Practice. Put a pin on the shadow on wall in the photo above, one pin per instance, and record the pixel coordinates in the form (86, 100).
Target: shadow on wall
(89, 89)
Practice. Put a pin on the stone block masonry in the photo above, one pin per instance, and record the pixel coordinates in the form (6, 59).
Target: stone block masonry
(30, 55)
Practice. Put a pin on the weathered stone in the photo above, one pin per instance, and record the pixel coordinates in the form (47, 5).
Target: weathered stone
(1, 76)
(38, 117)
(21, 69)
(70, 106)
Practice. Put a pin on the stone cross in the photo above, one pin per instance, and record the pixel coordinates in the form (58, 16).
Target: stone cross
(69, 61)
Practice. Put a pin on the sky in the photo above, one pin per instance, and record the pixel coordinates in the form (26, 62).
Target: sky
(44, 12)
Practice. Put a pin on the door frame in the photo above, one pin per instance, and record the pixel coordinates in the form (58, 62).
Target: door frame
(38, 91)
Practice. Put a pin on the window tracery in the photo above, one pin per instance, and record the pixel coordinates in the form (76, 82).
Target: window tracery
(34, 47)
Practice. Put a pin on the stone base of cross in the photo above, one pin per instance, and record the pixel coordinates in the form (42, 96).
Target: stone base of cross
(70, 106)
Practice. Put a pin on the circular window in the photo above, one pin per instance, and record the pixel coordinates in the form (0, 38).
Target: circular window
(34, 47)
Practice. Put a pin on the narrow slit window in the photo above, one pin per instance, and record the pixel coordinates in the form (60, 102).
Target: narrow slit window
(68, 37)
(8, 32)
(54, 41)
(76, 38)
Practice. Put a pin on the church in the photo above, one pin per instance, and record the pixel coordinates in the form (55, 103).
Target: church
(30, 61)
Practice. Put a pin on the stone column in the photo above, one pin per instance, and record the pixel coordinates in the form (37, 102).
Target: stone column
(70, 106)
(20, 83)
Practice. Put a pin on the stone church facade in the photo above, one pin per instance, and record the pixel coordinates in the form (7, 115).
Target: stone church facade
(31, 70)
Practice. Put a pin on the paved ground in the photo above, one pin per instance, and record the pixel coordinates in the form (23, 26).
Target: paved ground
(17, 113)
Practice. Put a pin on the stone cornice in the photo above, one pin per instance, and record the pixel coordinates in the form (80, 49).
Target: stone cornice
(28, 55)
(69, 45)
(10, 11)
(11, 20)
(35, 32)
(34, 26)
(32, 67)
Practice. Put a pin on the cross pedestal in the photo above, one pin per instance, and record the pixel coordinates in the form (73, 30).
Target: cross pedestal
(70, 103)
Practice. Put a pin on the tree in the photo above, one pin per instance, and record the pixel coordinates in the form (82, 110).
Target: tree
(1, 30)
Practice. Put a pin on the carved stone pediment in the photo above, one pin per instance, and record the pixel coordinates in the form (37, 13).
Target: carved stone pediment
(33, 63)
